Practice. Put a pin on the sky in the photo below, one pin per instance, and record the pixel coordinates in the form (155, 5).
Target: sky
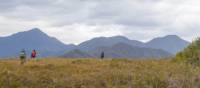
(74, 21)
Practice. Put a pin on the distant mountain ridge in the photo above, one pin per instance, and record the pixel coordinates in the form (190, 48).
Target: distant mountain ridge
(107, 41)
(170, 43)
(120, 50)
(29, 40)
(49, 46)
(123, 50)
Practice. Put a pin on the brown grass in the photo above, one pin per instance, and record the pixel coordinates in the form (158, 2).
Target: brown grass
(93, 73)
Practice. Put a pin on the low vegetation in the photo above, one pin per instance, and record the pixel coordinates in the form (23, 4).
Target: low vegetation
(190, 54)
(93, 73)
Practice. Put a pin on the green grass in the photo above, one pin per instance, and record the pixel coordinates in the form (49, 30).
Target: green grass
(93, 73)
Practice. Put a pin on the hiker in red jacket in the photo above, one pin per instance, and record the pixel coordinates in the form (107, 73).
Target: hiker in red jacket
(33, 54)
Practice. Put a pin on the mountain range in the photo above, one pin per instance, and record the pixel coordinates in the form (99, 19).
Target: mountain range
(169, 43)
(114, 47)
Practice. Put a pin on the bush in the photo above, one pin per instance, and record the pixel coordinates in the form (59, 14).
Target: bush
(191, 53)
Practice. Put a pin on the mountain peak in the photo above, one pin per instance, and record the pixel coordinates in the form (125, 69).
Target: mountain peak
(31, 32)
(32, 39)
(111, 38)
(170, 43)
(36, 30)
(167, 38)
(119, 37)
(172, 36)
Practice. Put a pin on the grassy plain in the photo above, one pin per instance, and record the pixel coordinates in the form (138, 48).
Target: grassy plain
(93, 73)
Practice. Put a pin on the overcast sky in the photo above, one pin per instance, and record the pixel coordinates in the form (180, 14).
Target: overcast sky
(74, 21)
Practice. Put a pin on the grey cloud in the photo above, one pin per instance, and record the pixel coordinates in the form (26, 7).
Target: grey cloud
(65, 12)
(135, 17)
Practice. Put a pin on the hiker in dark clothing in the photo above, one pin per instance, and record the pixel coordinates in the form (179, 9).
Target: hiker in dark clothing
(33, 54)
(197, 58)
(22, 56)
(102, 55)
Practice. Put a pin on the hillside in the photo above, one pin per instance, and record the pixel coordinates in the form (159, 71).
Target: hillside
(170, 43)
(33, 39)
(107, 41)
(93, 73)
(123, 50)
(119, 50)
(76, 53)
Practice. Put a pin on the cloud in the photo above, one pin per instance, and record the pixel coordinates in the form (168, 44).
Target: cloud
(74, 21)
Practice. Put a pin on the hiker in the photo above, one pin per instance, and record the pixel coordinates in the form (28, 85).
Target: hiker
(33, 54)
(197, 58)
(23, 56)
(102, 55)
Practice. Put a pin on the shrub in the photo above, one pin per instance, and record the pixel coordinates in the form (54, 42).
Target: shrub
(191, 53)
